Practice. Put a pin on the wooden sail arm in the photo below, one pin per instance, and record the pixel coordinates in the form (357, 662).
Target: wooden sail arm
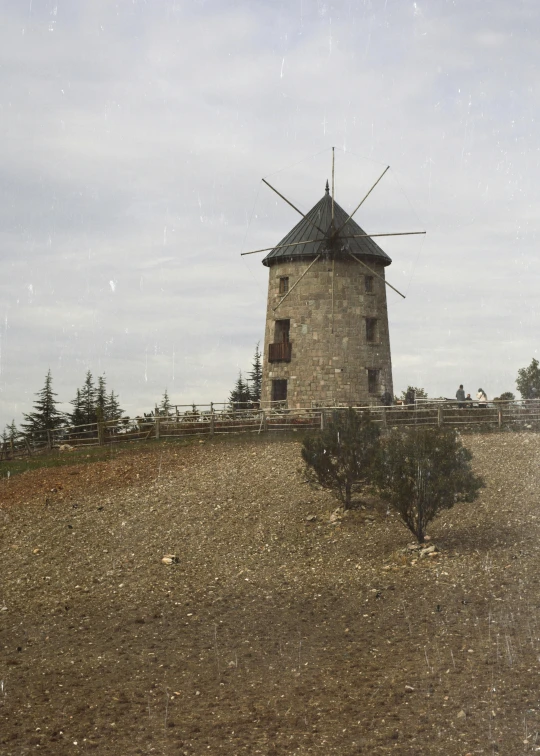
(297, 282)
(394, 233)
(377, 275)
(281, 246)
(294, 207)
(312, 241)
(362, 202)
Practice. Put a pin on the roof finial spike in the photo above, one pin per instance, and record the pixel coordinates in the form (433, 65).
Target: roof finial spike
(327, 187)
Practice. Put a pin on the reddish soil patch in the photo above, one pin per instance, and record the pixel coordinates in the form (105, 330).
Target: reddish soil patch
(272, 634)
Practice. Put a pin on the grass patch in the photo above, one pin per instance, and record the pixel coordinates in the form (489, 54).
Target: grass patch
(81, 456)
(88, 455)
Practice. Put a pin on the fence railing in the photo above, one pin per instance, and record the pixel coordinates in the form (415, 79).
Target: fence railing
(214, 420)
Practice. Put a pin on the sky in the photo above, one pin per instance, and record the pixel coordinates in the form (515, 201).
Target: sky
(133, 139)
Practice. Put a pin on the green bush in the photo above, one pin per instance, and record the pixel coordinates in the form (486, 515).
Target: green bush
(423, 471)
(343, 454)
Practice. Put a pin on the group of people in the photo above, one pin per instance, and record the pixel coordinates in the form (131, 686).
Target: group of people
(463, 401)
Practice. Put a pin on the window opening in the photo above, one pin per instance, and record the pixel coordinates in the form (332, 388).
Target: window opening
(368, 284)
(284, 284)
(371, 329)
(281, 331)
(279, 390)
(373, 380)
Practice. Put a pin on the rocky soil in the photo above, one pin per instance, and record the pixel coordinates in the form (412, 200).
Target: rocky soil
(275, 628)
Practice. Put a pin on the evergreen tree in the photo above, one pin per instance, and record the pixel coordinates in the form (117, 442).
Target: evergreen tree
(101, 399)
(164, 408)
(45, 416)
(239, 397)
(113, 411)
(343, 454)
(88, 399)
(255, 376)
(528, 381)
(77, 417)
(424, 471)
(12, 431)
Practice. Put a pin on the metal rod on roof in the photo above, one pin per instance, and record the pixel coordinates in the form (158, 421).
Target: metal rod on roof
(362, 202)
(297, 282)
(376, 274)
(333, 162)
(281, 246)
(293, 206)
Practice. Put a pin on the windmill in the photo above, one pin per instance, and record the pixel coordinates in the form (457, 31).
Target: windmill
(327, 341)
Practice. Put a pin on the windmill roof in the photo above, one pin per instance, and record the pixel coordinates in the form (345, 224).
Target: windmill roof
(321, 215)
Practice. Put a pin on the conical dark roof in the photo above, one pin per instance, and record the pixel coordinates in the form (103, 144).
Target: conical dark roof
(321, 215)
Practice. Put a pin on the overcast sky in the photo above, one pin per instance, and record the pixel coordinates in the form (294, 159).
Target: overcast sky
(133, 137)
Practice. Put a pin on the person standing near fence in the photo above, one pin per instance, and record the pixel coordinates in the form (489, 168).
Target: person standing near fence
(460, 396)
(481, 398)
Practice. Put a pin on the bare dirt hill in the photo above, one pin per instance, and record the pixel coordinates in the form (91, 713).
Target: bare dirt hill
(272, 634)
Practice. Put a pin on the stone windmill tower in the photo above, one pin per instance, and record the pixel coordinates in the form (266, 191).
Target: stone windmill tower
(326, 341)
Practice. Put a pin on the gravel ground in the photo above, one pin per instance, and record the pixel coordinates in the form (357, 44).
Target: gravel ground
(274, 631)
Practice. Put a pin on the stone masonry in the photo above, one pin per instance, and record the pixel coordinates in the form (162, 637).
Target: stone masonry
(333, 359)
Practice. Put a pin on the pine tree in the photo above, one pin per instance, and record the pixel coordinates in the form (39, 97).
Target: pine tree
(239, 397)
(113, 411)
(101, 399)
(255, 376)
(88, 399)
(45, 416)
(165, 407)
(77, 417)
(12, 431)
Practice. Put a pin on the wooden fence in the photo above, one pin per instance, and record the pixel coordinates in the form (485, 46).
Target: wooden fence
(210, 420)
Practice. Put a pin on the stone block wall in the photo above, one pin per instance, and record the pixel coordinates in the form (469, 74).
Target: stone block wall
(330, 354)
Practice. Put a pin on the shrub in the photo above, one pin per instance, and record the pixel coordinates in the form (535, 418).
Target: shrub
(343, 454)
(423, 471)
(528, 381)
(506, 396)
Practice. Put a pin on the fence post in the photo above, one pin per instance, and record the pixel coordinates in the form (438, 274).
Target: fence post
(383, 417)
(500, 416)
(28, 449)
(440, 418)
(157, 427)
(322, 420)
(49, 440)
(212, 422)
(264, 422)
(101, 434)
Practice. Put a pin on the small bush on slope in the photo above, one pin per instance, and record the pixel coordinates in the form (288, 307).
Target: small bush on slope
(343, 453)
(423, 471)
